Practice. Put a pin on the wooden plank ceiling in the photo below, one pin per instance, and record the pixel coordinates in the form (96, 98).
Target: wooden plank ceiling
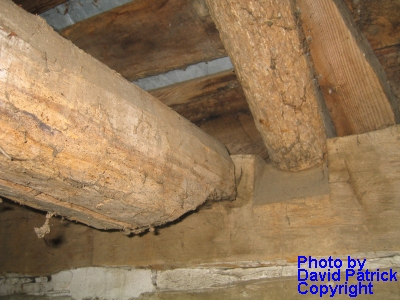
(145, 38)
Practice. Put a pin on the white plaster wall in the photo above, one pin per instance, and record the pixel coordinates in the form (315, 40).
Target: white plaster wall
(129, 283)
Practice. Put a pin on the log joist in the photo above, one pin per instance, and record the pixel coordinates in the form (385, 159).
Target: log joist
(80, 141)
(262, 40)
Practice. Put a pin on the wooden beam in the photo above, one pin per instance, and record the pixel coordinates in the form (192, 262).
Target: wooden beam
(79, 140)
(206, 97)
(359, 214)
(262, 41)
(145, 38)
(38, 6)
(353, 82)
(379, 22)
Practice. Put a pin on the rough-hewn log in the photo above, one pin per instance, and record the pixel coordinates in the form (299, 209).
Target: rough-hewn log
(38, 6)
(145, 38)
(79, 140)
(352, 80)
(262, 40)
(206, 97)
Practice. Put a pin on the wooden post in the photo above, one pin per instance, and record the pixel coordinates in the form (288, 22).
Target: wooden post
(351, 78)
(262, 40)
(79, 140)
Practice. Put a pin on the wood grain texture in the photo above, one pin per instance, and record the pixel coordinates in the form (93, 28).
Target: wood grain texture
(145, 38)
(38, 6)
(206, 97)
(353, 82)
(379, 22)
(263, 44)
(366, 168)
(79, 140)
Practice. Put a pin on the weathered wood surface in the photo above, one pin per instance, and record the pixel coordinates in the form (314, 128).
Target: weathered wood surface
(353, 82)
(206, 97)
(365, 169)
(379, 22)
(79, 140)
(263, 44)
(38, 6)
(359, 216)
(145, 38)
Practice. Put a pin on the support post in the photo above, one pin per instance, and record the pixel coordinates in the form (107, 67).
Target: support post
(262, 40)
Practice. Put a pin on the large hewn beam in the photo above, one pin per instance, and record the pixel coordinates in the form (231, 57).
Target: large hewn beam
(353, 82)
(262, 40)
(79, 140)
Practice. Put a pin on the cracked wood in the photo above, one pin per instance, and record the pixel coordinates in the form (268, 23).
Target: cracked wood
(79, 140)
(262, 40)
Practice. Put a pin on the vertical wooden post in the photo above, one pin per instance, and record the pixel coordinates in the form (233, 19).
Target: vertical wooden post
(262, 40)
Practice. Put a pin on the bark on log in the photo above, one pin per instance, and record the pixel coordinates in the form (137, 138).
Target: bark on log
(262, 40)
(352, 80)
(79, 140)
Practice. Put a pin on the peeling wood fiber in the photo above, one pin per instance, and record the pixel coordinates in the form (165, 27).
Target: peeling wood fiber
(262, 40)
(79, 140)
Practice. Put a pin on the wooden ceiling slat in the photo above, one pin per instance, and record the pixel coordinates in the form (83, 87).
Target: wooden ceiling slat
(38, 6)
(145, 38)
(352, 81)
